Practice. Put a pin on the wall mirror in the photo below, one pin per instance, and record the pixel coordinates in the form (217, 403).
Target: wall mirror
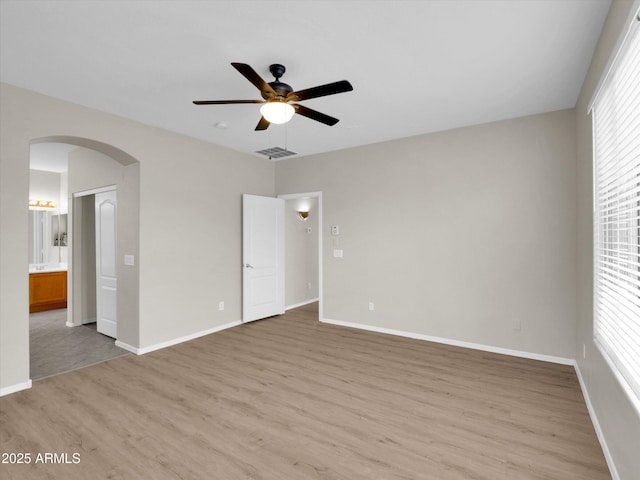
(59, 229)
(47, 230)
(39, 236)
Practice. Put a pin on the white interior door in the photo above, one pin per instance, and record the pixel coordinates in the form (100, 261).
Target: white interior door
(106, 279)
(262, 257)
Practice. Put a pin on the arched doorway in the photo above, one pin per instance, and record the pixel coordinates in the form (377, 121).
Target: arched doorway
(94, 166)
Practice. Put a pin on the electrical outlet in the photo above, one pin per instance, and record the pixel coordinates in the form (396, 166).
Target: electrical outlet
(371, 306)
(221, 306)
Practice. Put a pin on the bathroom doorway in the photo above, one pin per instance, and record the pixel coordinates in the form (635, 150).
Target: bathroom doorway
(94, 255)
(54, 347)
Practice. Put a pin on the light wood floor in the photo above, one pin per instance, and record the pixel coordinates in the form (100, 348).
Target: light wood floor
(289, 398)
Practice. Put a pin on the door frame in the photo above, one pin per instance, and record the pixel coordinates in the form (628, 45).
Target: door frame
(74, 308)
(318, 196)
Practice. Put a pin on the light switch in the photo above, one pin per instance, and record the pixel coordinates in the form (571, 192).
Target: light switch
(129, 260)
(338, 253)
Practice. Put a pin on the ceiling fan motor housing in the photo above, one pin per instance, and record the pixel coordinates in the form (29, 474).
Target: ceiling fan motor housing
(282, 89)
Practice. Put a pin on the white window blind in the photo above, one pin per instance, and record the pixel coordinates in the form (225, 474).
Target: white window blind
(616, 139)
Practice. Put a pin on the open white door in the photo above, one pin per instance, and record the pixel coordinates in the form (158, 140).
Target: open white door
(262, 257)
(106, 280)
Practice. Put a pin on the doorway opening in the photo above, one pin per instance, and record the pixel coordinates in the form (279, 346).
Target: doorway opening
(303, 224)
(54, 347)
(95, 240)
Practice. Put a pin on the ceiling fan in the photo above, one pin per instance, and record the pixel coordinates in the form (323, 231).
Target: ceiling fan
(277, 97)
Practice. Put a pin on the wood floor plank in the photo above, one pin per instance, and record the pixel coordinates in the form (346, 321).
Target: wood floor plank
(292, 398)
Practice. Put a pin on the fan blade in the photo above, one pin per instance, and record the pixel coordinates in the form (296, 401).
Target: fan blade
(251, 75)
(320, 91)
(225, 102)
(315, 115)
(263, 124)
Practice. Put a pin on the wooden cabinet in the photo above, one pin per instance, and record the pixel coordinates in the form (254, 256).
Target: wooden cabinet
(47, 291)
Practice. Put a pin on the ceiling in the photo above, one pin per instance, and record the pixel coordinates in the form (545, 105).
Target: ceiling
(416, 66)
(50, 156)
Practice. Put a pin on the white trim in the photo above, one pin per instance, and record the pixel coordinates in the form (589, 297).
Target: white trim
(455, 343)
(175, 341)
(93, 191)
(596, 426)
(86, 321)
(15, 388)
(301, 304)
(129, 348)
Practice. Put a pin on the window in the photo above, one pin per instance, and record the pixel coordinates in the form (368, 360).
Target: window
(616, 147)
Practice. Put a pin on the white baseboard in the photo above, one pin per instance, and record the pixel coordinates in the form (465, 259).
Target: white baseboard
(129, 348)
(301, 304)
(455, 343)
(175, 341)
(15, 388)
(596, 426)
(86, 321)
(71, 324)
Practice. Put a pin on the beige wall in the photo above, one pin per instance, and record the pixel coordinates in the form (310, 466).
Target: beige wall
(619, 421)
(190, 231)
(467, 234)
(88, 170)
(14, 280)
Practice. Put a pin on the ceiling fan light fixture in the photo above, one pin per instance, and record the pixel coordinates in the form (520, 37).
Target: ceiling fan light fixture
(277, 95)
(277, 112)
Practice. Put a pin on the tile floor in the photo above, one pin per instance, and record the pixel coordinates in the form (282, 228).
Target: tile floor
(56, 348)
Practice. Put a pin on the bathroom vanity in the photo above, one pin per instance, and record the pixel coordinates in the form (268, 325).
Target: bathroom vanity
(47, 290)
(47, 260)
